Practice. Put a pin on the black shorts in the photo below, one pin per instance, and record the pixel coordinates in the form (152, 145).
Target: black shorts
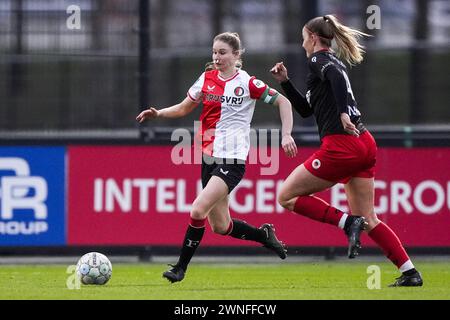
(230, 171)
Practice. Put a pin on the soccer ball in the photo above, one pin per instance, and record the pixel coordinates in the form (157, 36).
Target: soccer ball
(94, 268)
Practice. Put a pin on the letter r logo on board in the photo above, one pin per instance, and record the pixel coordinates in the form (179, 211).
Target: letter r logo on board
(15, 190)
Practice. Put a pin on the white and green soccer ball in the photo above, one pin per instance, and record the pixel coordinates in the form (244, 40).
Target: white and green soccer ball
(94, 268)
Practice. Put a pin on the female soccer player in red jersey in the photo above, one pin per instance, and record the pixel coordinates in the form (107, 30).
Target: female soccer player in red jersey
(228, 95)
(348, 151)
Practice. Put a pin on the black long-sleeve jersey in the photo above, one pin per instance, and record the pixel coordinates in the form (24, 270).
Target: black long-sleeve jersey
(329, 94)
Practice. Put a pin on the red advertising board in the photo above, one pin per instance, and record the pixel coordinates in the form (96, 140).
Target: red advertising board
(137, 195)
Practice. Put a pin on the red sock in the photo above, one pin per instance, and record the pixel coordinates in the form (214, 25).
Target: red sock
(317, 209)
(197, 223)
(390, 243)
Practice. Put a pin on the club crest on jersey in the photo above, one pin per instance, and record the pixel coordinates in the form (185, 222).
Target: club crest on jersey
(238, 91)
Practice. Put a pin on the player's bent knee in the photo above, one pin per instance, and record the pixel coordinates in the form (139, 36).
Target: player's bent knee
(219, 229)
(286, 203)
(197, 213)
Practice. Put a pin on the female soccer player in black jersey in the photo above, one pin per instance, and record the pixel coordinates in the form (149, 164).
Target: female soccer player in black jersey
(348, 151)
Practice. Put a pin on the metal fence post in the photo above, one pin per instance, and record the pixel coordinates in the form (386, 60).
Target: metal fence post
(144, 58)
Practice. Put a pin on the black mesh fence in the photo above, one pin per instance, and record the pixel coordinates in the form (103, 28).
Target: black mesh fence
(60, 75)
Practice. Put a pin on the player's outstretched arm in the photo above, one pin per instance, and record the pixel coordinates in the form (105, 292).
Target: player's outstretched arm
(176, 111)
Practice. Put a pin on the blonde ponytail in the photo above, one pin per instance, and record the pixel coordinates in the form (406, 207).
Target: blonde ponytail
(348, 46)
(347, 39)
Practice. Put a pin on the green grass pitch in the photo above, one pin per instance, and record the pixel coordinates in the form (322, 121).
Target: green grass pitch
(287, 281)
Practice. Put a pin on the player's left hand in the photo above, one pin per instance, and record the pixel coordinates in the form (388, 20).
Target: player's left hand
(289, 146)
(348, 125)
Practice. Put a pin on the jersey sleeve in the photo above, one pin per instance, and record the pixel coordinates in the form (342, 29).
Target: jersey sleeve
(339, 88)
(298, 100)
(195, 92)
(319, 65)
(261, 91)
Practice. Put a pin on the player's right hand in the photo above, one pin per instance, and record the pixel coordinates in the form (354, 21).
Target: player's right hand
(147, 114)
(348, 126)
(279, 72)
(289, 146)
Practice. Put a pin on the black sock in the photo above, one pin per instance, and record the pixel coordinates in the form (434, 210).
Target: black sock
(191, 242)
(410, 272)
(243, 230)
